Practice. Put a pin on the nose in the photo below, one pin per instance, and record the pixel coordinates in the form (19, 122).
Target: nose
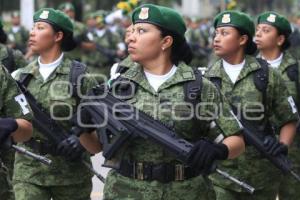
(257, 33)
(31, 33)
(216, 38)
(131, 38)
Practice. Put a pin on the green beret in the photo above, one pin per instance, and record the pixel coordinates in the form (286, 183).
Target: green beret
(241, 21)
(276, 20)
(61, 20)
(235, 19)
(66, 6)
(55, 17)
(160, 16)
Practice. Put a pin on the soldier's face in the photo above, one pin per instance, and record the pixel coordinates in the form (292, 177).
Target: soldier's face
(42, 37)
(145, 42)
(227, 41)
(127, 34)
(267, 37)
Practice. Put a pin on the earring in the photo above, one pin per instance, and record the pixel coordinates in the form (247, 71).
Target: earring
(163, 48)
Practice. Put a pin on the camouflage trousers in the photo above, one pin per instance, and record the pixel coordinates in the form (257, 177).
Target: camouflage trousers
(269, 193)
(28, 191)
(289, 188)
(118, 187)
(6, 170)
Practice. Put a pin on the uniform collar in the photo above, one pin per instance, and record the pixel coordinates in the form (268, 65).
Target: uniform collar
(33, 68)
(287, 61)
(183, 73)
(218, 71)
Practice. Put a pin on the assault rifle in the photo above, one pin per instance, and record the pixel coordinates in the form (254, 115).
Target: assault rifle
(121, 122)
(52, 130)
(281, 161)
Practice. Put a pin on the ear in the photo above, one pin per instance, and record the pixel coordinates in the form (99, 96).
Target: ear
(280, 40)
(243, 40)
(59, 36)
(167, 42)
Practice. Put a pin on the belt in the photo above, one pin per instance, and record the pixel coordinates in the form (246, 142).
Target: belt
(42, 147)
(164, 172)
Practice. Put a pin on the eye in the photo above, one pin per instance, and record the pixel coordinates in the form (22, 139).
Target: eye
(141, 30)
(224, 33)
(266, 30)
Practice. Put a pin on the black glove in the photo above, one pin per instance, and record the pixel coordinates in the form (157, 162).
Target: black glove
(274, 147)
(7, 127)
(82, 120)
(203, 155)
(70, 148)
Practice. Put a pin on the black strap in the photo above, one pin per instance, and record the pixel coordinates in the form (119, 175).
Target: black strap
(77, 69)
(9, 61)
(25, 79)
(163, 172)
(193, 89)
(261, 79)
(217, 81)
(126, 88)
(293, 74)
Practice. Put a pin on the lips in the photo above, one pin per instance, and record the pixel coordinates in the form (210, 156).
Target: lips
(31, 42)
(130, 49)
(217, 46)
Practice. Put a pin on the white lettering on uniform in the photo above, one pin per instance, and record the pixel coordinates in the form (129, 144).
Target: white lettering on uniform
(292, 104)
(21, 100)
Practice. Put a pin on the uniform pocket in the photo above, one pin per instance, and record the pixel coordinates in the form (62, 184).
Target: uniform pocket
(62, 109)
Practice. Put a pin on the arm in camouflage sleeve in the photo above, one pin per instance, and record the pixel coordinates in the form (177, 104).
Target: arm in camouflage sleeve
(226, 127)
(284, 109)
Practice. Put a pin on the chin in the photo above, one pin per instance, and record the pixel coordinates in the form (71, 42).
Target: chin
(134, 58)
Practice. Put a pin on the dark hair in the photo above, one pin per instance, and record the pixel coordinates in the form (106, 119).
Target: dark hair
(250, 45)
(181, 51)
(286, 44)
(3, 36)
(67, 42)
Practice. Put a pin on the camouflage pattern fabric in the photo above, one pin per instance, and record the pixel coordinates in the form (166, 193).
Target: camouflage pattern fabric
(66, 192)
(289, 187)
(265, 194)
(250, 166)
(167, 105)
(17, 55)
(54, 95)
(96, 61)
(9, 108)
(78, 34)
(198, 42)
(19, 39)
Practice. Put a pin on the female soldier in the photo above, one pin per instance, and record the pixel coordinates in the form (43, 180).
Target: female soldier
(271, 38)
(158, 46)
(239, 76)
(48, 80)
(13, 104)
(10, 59)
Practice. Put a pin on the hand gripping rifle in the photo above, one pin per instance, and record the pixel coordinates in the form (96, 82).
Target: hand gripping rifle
(50, 128)
(123, 122)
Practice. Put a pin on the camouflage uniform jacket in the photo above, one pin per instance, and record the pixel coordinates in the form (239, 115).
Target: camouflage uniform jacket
(17, 56)
(95, 59)
(168, 106)
(12, 104)
(54, 95)
(79, 35)
(19, 38)
(250, 166)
